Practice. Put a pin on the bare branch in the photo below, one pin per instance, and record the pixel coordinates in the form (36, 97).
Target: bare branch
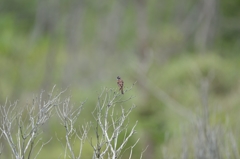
(143, 152)
(20, 126)
(110, 124)
(43, 144)
(68, 115)
(130, 156)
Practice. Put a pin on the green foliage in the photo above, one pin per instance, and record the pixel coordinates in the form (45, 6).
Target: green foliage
(26, 64)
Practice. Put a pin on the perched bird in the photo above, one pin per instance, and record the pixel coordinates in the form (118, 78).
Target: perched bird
(120, 84)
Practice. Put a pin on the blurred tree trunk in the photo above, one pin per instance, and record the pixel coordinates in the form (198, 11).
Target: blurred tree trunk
(108, 31)
(142, 30)
(46, 22)
(47, 17)
(205, 33)
(74, 24)
(143, 55)
(109, 27)
(73, 33)
(200, 23)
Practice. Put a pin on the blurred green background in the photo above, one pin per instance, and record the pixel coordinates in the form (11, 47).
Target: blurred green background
(171, 48)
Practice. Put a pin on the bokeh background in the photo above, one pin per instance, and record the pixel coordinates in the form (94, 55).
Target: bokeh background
(184, 55)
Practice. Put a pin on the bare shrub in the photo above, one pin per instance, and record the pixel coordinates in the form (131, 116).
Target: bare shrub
(22, 127)
(68, 115)
(204, 140)
(111, 122)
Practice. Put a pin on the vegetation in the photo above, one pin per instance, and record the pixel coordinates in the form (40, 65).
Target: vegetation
(183, 55)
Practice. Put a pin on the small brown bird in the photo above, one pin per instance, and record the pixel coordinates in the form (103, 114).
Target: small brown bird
(120, 84)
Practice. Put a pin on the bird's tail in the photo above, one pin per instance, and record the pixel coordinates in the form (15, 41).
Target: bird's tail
(122, 91)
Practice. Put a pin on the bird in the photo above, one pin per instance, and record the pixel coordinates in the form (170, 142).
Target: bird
(120, 84)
